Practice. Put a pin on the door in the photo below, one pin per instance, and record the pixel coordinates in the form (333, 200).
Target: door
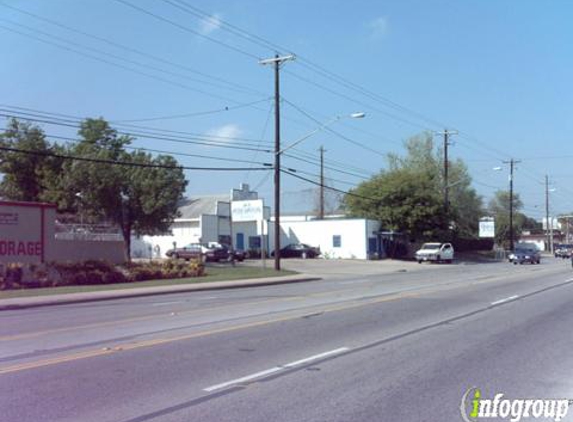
(447, 252)
(240, 243)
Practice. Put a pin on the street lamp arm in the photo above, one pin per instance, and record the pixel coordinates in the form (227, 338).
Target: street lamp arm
(308, 135)
(358, 115)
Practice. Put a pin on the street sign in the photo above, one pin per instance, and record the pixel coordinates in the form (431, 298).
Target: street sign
(247, 210)
(486, 227)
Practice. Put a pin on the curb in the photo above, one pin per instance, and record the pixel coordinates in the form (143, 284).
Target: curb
(42, 301)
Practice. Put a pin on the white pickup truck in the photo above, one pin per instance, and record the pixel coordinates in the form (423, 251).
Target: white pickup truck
(438, 252)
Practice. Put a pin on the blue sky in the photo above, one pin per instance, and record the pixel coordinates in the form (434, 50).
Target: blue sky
(496, 71)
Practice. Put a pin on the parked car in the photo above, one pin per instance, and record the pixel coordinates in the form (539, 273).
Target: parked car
(521, 255)
(437, 252)
(207, 252)
(298, 250)
(563, 251)
(238, 255)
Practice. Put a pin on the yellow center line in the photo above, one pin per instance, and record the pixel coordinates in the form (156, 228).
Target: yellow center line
(156, 342)
(192, 312)
(356, 303)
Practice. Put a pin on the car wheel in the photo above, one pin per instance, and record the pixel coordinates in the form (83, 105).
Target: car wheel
(514, 262)
(419, 261)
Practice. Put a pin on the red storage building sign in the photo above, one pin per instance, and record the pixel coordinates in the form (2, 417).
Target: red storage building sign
(25, 229)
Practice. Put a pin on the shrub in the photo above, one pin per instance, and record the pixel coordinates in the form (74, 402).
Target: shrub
(114, 277)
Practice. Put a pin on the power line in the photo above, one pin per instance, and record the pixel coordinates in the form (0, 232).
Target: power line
(159, 151)
(327, 167)
(305, 62)
(130, 49)
(76, 119)
(186, 115)
(339, 135)
(330, 187)
(121, 58)
(187, 29)
(369, 107)
(123, 163)
(139, 134)
(235, 30)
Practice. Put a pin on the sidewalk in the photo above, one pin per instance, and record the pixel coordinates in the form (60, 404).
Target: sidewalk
(60, 299)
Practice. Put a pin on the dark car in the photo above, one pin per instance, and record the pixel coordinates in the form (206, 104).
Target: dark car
(238, 255)
(298, 250)
(521, 255)
(200, 251)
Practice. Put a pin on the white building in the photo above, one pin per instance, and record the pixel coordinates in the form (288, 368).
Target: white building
(205, 219)
(337, 237)
(208, 219)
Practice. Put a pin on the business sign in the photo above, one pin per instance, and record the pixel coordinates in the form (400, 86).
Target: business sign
(21, 232)
(486, 227)
(247, 210)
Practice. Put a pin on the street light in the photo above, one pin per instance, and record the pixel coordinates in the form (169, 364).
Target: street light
(278, 153)
(357, 115)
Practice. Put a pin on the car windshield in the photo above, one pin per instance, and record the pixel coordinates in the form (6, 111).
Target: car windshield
(525, 251)
(430, 246)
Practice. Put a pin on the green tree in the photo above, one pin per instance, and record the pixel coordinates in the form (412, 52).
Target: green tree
(23, 174)
(499, 207)
(140, 196)
(421, 169)
(403, 200)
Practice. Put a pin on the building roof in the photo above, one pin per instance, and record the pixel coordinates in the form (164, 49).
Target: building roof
(195, 207)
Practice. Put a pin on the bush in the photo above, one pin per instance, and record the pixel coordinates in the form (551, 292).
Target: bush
(114, 277)
(94, 273)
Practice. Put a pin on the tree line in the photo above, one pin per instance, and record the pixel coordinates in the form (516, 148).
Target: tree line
(103, 178)
(109, 182)
(407, 196)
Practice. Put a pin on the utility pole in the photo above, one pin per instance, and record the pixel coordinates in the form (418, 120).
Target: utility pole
(321, 206)
(447, 135)
(547, 213)
(276, 62)
(512, 163)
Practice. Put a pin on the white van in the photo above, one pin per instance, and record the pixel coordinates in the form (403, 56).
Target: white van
(438, 252)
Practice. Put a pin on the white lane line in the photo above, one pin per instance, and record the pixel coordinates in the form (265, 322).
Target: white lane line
(275, 369)
(360, 280)
(507, 299)
(166, 303)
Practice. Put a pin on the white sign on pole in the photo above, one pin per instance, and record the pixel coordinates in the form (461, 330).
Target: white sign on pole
(486, 227)
(247, 210)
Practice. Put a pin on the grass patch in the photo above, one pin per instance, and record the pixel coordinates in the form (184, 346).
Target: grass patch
(216, 273)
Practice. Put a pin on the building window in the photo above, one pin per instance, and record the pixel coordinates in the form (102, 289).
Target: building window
(336, 241)
(254, 242)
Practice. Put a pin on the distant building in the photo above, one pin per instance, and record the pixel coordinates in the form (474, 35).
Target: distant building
(540, 238)
(205, 219)
(336, 236)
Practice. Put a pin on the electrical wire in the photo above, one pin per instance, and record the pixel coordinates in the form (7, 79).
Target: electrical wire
(123, 163)
(159, 151)
(130, 49)
(140, 134)
(187, 29)
(187, 115)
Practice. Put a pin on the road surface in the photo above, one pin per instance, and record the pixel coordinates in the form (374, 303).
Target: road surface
(403, 346)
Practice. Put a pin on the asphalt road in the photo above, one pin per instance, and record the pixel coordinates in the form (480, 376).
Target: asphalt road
(357, 346)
